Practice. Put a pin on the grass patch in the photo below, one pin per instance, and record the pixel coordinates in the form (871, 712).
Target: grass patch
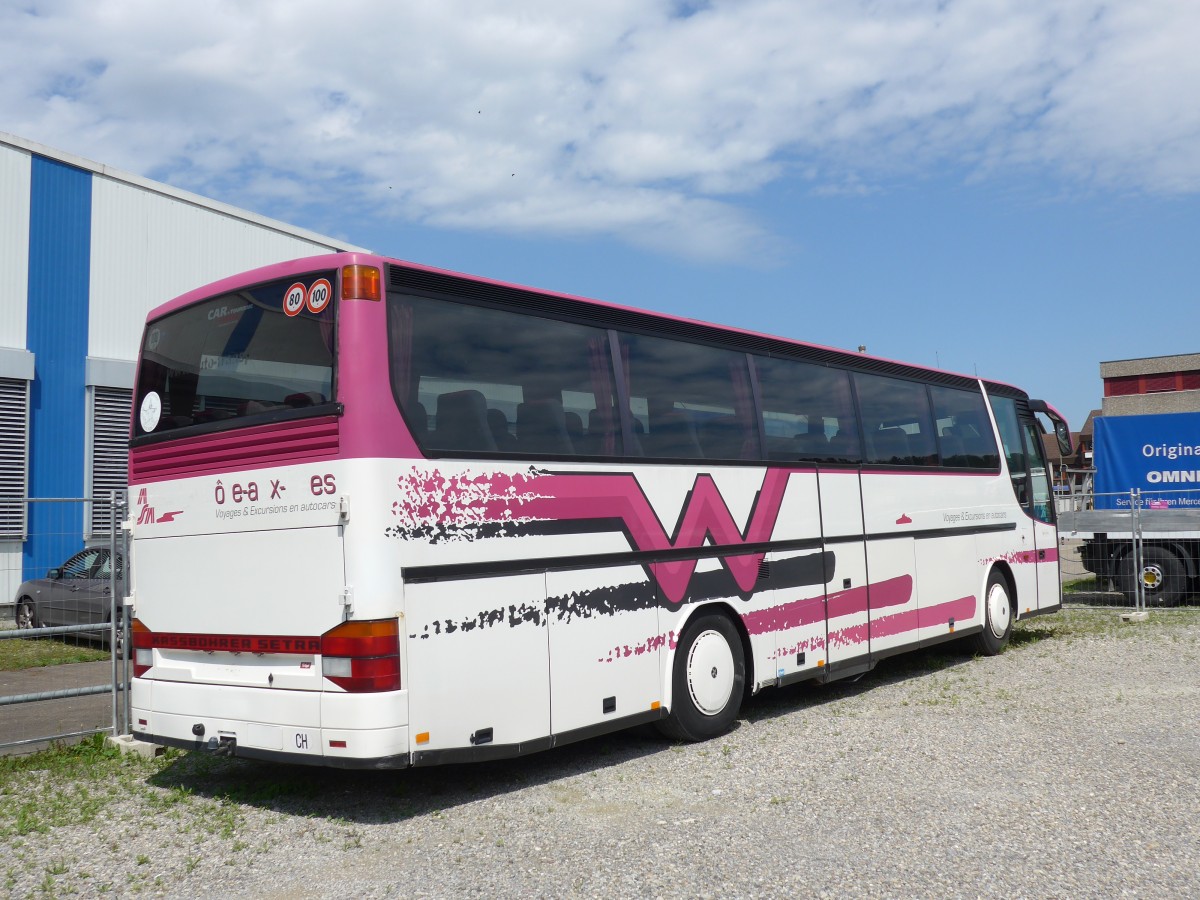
(25, 653)
(72, 785)
(1074, 624)
(1089, 585)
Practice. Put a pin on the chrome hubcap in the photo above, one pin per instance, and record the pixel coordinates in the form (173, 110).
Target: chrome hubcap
(999, 610)
(710, 673)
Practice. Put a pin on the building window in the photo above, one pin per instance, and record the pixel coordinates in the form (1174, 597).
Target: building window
(110, 453)
(1157, 384)
(14, 454)
(1124, 386)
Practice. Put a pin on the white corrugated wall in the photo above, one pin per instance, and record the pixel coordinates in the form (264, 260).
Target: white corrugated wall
(14, 245)
(14, 289)
(148, 248)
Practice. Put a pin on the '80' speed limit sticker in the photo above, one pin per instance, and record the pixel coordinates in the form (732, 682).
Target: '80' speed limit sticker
(313, 298)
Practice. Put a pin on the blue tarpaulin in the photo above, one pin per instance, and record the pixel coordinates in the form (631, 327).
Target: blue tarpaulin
(1159, 455)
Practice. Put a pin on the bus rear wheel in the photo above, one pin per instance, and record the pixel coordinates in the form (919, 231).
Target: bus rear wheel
(708, 680)
(997, 616)
(1162, 577)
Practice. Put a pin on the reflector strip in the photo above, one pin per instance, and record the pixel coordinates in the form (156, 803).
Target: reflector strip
(357, 656)
(231, 643)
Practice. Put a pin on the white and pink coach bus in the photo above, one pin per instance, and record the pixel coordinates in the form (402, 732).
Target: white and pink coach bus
(387, 515)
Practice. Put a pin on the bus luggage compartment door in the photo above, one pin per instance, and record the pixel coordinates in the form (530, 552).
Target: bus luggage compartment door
(606, 646)
(253, 582)
(478, 662)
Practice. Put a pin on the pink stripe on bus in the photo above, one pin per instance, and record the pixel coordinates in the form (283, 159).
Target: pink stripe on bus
(244, 448)
(960, 610)
(892, 592)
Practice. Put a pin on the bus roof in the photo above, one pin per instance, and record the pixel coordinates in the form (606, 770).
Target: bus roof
(698, 328)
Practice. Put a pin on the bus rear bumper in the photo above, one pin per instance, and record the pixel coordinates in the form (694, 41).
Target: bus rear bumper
(305, 727)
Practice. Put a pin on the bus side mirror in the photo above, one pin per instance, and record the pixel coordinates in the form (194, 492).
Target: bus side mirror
(1062, 433)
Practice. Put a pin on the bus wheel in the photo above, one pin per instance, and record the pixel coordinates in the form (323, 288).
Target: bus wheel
(1162, 577)
(997, 616)
(708, 680)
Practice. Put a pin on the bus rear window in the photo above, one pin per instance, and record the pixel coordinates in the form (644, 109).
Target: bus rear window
(241, 355)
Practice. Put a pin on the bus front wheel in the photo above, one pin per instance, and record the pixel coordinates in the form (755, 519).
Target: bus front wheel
(997, 616)
(708, 680)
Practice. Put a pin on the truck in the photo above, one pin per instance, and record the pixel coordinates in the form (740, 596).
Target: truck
(1147, 484)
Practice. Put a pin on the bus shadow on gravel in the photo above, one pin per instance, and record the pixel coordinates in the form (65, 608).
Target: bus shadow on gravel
(389, 796)
(908, 666)
(384, 797)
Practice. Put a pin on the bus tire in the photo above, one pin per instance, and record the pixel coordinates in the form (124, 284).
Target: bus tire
(997, 616)
(708, 680)
(1162, 575)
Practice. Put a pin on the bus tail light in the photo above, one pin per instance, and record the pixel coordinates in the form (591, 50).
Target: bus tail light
(143, 647)
(363, 657)
(361, 283)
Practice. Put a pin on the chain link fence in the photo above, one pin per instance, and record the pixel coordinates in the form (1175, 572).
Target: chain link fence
(1138, 549)
(64, 659)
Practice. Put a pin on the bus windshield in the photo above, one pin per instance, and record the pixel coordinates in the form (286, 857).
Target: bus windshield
(244, 354)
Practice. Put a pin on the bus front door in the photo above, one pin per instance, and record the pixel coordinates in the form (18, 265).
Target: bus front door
(1035, 562)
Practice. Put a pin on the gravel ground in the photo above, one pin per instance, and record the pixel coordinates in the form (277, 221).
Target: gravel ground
(1068, 766)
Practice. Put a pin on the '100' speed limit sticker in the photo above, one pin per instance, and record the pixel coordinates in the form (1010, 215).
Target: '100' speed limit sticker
(315, 298)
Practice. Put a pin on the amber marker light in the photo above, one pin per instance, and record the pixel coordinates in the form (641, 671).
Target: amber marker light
(423, 737)
(361, 283)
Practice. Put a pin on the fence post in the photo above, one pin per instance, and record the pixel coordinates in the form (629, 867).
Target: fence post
(127, 640)
(113, 606)
(1135, 529)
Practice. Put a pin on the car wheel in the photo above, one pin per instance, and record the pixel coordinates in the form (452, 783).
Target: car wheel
(26, 616)
(997, 616)
(708, 680)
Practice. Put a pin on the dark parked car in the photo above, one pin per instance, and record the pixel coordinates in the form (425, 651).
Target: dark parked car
(76, 593)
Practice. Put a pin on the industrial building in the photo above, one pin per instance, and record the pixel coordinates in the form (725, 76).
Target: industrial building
(85, 252)
(1156, 384)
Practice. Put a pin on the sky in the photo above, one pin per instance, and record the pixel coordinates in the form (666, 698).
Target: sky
(1008, 188)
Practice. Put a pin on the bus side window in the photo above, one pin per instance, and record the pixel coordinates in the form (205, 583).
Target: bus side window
(903, 431)
(964, 436)
(690, 401)
(807, 411)
(499, 381)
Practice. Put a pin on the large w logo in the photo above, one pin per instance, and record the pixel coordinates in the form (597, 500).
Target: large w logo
(704, 515)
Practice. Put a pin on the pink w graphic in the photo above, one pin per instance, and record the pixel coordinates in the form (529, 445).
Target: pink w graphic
(582, 497)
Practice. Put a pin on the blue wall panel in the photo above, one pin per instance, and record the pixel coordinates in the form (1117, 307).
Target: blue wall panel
(60, 222)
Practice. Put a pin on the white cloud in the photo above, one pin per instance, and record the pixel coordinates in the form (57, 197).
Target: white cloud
(616, 117)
